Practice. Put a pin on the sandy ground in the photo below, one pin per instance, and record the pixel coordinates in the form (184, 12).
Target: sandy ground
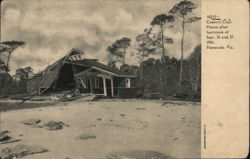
(122, 125)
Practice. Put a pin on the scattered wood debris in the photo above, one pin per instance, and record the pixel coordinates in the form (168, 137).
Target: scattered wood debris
(140, 108)
(87, 136)
(53, 125)
(20, 151)
(31, 121)
(5, 138)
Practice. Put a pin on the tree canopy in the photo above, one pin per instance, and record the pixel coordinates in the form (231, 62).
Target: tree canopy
(162, 19)
(10, 45)
(118, 49)
(24, 73)
(6, 48)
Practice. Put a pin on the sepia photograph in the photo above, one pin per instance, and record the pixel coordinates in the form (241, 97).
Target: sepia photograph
(100, 79)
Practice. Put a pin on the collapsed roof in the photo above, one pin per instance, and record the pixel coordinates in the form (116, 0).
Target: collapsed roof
(48, 78)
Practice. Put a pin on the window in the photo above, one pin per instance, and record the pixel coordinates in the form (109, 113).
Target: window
(127, 82)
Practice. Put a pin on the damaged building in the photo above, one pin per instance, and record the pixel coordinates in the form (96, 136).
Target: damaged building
(88, 75)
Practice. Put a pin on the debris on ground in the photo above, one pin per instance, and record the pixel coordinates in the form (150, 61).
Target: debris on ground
(54, 98)
(87, 136)
(183, 118)
(69, 96)
(100, 97)
(11, 140)
(31, 121)
(171, 103)
(5, 138)
(45, 98)
(76, 95)
(122, 115)
(20, 151)
(140, 108)
(137, 155)
(179, 103)
(86, 97)
(112, 124)
(53, 125)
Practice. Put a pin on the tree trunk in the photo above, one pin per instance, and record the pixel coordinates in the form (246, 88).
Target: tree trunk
(141, 69)
(163, 60)
(8, 60)
(123, 59)
(182, 43)
(141, 63)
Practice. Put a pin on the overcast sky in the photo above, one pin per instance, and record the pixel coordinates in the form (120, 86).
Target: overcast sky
(51, 28)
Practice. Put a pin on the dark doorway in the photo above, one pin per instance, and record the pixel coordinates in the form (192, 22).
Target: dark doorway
(66, 79)
(108, 86)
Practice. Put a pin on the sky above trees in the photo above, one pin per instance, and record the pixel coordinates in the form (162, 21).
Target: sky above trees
(50, 28)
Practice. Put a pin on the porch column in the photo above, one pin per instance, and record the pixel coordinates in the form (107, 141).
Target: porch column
(112, 87)
(91, 87)
(104, 87)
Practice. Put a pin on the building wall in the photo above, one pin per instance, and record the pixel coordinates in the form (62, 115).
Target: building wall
(120, 89)
(133, 82)
(127, 92)
(120, 82)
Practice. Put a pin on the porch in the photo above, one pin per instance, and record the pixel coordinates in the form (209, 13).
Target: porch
(102, 83)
